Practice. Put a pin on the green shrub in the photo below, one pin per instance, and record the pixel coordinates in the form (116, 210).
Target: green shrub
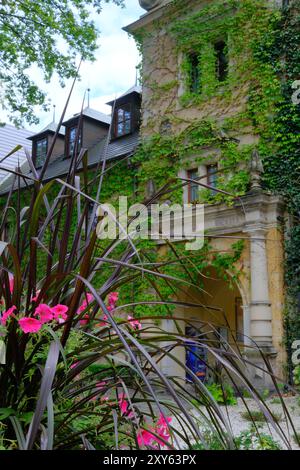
(247, 440)
(258, 416)
(250, 440)
(224, 395)
(296, 375)
(213, 442)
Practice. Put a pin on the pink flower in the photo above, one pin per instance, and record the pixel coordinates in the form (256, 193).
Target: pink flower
(103, 323)
(7, 314)
(148, 437)
(85, 320)
(100, 385)
(74, 365)
(60, 317)
(113, 299)
(11, 284)
(81, 308)
(60, 313)
(163, 422)
(135, 324)
(44, 312)
(123, 404)
(162, 428)
(30, 325)
(34, 299)
(88, 299)
(145, 438)
(59, 309)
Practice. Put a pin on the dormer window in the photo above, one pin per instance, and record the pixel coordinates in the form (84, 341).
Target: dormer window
(126, 113)
(123, 120)
(41, 152)
(72, 140)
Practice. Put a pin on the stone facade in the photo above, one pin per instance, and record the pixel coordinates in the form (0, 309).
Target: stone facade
(254, 217)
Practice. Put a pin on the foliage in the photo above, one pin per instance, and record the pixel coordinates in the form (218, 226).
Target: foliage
(223, 394)
(213, 441)
(245, 101)
(77, 371)
(163, 156)
(282, 164)
(248, 440)
(258, 416)
(169, 261)
(263, 49)
(296, 374)
(53, 36)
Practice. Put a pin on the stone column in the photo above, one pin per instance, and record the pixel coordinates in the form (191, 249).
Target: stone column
(247, 325)
(168, 366)
(260, 307)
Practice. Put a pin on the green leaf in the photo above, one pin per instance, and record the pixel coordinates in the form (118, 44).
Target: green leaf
(5, 413)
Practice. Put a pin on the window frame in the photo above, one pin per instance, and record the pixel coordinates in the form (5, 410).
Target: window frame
(212, 182)
(69, 151)
(117, 122)
(36, 154)
(222, 60)
(191, 185)
(194, 73)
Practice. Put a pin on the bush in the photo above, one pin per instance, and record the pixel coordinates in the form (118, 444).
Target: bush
(296, 375)
(224, 395)
(259, 416)
(250, 440)
(246, 440)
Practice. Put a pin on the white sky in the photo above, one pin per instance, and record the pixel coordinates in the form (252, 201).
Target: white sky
(113, 72)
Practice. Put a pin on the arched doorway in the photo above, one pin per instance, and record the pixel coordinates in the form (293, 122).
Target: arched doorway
(222, 316)
(222, 307)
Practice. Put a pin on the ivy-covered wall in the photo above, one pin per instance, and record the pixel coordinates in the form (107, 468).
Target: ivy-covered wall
(251, 109)
(226, 120)
(281, 50)
(123, 178)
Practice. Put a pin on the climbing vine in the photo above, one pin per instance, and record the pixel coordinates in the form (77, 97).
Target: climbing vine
(281, 51)
(175, 261)
(263, 45)
(163, 156)
(223, 121)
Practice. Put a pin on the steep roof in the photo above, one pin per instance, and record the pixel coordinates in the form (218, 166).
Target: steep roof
(134, 89)
(51, 127)
(92, 114)
(11, 137)
(123, 147)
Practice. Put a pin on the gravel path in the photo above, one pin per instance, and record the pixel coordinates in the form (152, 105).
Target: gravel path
(238, 423)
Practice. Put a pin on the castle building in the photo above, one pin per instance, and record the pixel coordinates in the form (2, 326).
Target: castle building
(204, 109)
(196, 68)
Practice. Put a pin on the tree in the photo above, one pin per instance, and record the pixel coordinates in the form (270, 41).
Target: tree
(51, 34)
